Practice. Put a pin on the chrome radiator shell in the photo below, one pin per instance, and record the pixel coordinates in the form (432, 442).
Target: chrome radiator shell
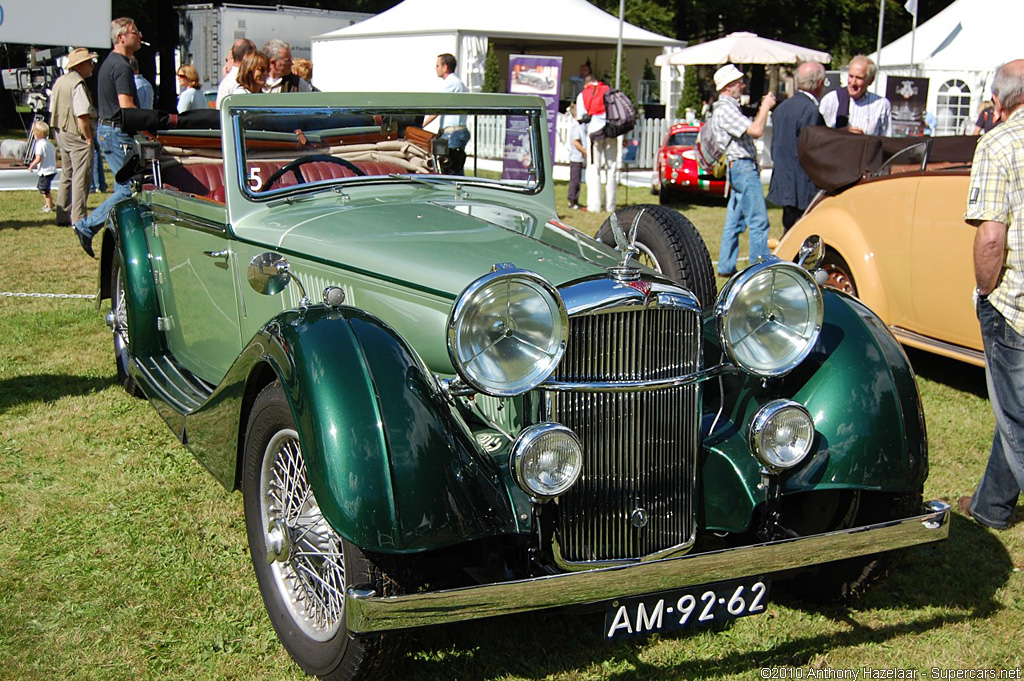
(636, 497)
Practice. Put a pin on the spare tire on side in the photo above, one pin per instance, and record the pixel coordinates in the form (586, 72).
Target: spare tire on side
(670, 244)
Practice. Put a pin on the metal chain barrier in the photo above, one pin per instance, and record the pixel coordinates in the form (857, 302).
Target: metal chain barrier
(16, 294)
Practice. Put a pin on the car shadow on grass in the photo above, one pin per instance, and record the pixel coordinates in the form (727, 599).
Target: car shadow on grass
(552, 644)
(953, 373)
(22, 390)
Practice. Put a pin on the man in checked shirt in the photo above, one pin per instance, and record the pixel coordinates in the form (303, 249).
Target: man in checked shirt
(995, 205)
(735, 133)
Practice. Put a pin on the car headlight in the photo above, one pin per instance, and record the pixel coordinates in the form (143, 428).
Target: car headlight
(769, 317)
(546, 460)
(675, 161)
(781, 434)
(507, 332)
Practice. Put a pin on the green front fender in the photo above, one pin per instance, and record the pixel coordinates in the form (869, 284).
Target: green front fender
(124, 242)
(860, 390)
(391, 465)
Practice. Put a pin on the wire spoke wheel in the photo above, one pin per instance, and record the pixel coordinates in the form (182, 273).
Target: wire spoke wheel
(308, 555)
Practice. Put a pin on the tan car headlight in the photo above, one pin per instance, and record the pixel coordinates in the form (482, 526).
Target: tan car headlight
(546, 460)
(507, 332)
(781, 434)
(769, 317)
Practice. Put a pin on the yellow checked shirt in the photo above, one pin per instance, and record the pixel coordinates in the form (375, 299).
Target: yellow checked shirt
(996, 193)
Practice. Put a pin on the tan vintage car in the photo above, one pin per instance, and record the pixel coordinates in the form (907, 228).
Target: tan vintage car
(891, 216)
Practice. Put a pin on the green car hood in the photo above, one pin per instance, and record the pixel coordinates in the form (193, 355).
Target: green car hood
(437, 243)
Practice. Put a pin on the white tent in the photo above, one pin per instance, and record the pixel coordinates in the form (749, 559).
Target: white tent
(958, 50)
(397, 49)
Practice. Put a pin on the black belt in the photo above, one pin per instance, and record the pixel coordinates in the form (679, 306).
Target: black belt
(111, 123)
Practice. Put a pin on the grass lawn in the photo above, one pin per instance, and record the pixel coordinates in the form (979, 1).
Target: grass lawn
(121, 558)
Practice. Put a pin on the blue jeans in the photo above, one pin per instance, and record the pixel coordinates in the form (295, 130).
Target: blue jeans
(1003, 480)
(99, 180)
(457, 141)
(746, 210)
(111, 144)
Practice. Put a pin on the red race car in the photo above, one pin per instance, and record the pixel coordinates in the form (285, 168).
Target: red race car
(676, 170)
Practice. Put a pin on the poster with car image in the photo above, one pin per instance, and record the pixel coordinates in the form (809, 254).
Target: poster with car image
(909, 97)
(530, 75)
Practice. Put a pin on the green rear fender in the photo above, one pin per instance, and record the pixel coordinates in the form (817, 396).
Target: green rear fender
(391, 465)
(124, 242)
(859, 388)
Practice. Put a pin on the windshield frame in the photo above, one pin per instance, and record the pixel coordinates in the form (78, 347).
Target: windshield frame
(535, 125)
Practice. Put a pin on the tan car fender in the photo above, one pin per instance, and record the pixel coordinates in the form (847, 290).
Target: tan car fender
(843, 236)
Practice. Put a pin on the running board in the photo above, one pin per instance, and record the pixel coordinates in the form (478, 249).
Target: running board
(164, 380)
(941, 347)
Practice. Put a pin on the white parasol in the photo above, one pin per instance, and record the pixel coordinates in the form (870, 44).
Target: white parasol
(742, 48)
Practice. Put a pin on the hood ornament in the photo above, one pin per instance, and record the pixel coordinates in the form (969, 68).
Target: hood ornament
(623, 272)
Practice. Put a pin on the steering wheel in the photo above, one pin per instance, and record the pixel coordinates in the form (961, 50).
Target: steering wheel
(294, 166)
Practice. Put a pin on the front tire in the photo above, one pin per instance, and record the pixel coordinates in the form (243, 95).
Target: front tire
(840, 277)
(670, 244)
(119, 326)
(302, 565)
(847, 580)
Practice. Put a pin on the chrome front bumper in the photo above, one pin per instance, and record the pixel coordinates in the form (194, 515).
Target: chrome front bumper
(366, 613)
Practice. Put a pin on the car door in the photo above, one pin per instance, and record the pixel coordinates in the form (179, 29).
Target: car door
(196, 273)
(941, 264)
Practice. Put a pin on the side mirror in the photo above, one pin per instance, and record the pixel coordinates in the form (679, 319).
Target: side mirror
(812, 251)
(270, 273)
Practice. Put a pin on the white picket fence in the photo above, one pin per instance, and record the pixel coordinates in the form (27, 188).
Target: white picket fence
(489, 139)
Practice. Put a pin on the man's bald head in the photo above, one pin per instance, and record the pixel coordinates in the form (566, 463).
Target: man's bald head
(810, 76)
(1008, 86)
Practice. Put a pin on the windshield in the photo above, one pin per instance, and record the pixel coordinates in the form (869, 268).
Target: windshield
(302, 149)
(682, 139)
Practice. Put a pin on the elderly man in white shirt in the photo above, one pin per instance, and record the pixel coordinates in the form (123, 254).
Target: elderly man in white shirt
(230, 86)
(854, 108)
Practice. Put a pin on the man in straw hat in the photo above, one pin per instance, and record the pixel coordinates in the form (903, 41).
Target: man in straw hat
(735, 133)
(73, 118)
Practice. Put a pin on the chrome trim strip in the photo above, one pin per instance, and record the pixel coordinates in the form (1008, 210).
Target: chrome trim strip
(365, 613)
(170, 214)
(644, 385)
(907, 336)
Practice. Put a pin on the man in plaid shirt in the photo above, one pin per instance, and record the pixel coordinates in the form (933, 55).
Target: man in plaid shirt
(736, 133)
(995, 205)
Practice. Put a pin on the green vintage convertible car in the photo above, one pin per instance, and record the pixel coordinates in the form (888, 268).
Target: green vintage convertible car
(441, 403)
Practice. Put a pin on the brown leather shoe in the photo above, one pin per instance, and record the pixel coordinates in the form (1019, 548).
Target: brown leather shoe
(964, 504)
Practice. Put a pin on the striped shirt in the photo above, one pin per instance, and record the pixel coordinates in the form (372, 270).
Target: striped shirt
(870, 113)
(731, 129)
(996, 193)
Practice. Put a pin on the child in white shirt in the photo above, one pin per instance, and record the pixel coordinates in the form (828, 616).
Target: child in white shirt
(44, 163)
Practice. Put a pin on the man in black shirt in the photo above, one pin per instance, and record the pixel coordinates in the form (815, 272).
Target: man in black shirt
(115, 91)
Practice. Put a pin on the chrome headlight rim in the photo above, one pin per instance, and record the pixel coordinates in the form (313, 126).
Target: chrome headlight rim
(524, 445)
(735, 286)
(759, 423)
(675, 161)
(470, 296)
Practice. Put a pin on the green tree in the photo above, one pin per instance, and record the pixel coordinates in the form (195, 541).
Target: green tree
(492, 76)
(690, 97)
(654, 16)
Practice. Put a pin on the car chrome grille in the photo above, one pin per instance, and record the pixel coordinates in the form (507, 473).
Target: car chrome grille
(635, 495)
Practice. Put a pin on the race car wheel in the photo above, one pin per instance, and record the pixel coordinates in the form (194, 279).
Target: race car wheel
(670, 244)
(839, 275)
(302, 565)
(119, 326)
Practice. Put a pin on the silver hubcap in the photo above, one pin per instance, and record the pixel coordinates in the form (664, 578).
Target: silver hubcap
(304, 553)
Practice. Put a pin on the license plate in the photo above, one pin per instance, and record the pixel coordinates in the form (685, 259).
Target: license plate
(696, 606)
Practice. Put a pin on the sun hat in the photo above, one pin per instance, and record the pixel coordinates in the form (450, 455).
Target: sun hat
(726, 75)
(79, 55)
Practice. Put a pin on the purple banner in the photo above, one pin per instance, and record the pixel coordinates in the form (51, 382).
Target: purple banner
(532, 75)
(909, 97)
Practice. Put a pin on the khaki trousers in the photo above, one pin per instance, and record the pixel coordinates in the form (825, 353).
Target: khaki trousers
(76, 174)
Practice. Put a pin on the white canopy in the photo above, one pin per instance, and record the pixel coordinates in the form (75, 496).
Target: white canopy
(969, 35)
(396, 49)
(958, 50)
(743, 48)
(575, 21)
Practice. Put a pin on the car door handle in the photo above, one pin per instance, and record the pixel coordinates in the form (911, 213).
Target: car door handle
(217, 254)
